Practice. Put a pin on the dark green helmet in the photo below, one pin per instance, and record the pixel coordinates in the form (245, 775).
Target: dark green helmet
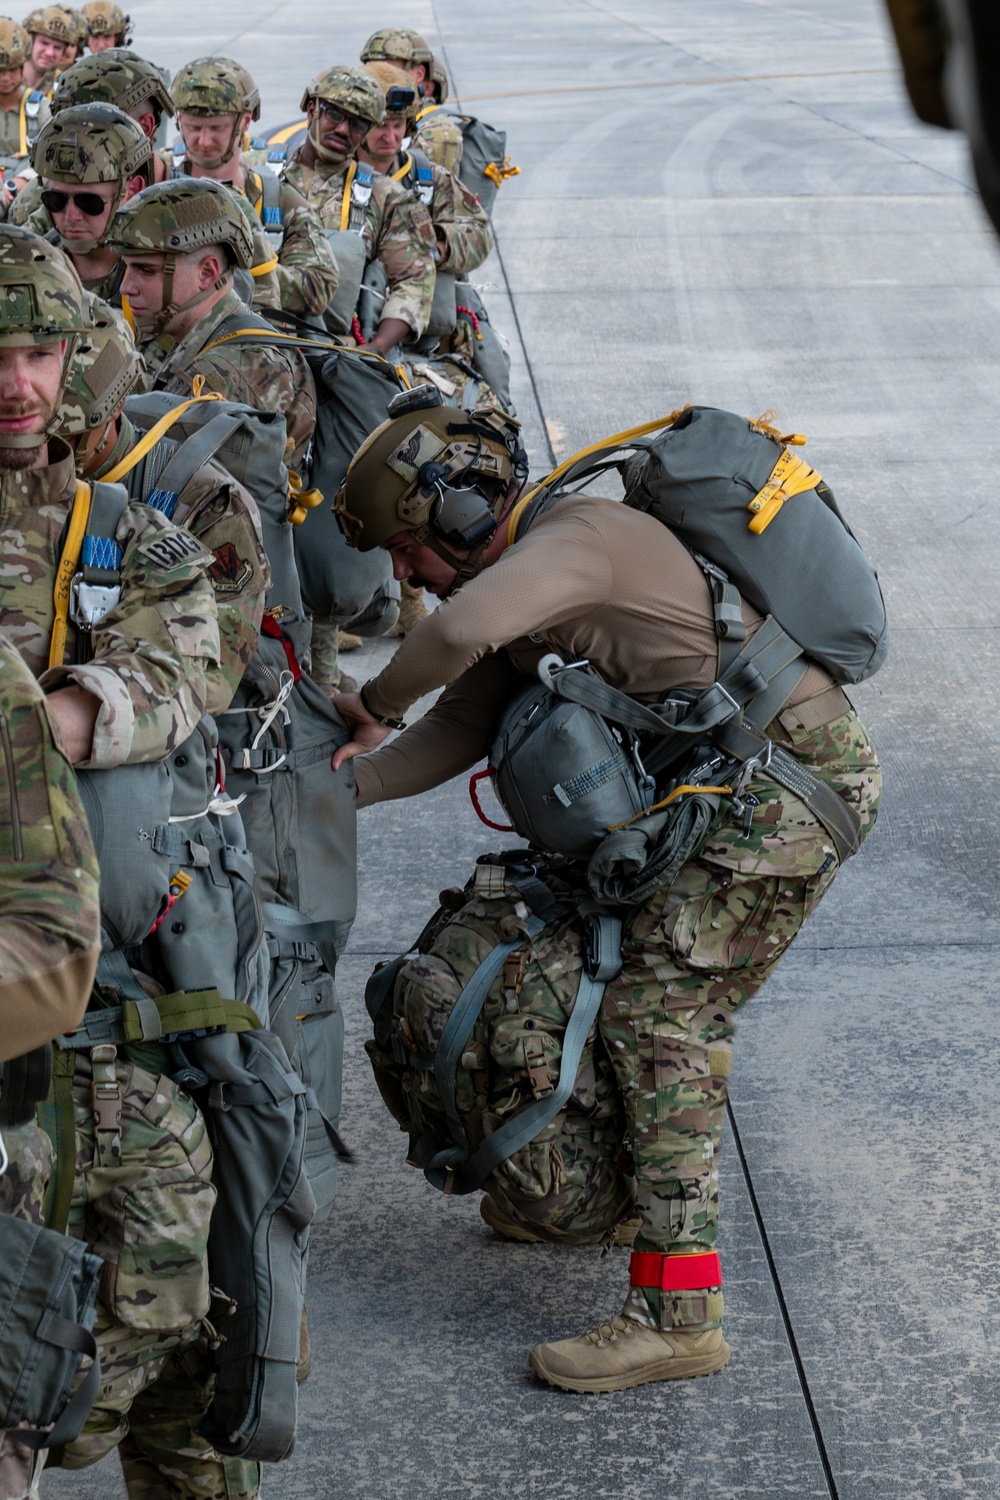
(91, 143)
(177, 217)
(216, 86)
(351, 89)
(396, 44)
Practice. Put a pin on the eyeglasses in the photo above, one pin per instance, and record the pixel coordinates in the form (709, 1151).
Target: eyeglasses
(335, 116)
(91, 204)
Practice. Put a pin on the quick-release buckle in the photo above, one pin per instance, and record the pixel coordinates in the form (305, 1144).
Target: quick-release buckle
(90, 602)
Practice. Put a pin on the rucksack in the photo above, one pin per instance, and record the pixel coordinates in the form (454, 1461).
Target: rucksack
(757, 519)
(486, 1053)
(277, 737)
(485, 165)
(48, 1286)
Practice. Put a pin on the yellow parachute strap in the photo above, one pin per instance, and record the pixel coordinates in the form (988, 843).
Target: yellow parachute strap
(498, 172)
(401, 372)
(264, 267)
(678, 791)
(617, 440)
(66, 571)
(301, 343)
(24, 124)
(790, 476)
(427, 109)
(129, 317)
(252, 178)
(398, 176)
(153, 436)
(345, 207)
(300, 501)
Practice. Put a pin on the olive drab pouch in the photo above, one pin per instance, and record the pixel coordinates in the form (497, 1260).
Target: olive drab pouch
(486, 1051)
(48, 1286)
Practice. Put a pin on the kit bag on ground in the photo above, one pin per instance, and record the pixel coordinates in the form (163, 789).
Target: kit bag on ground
(487, 1054)
(48, 1284)
(761, 523)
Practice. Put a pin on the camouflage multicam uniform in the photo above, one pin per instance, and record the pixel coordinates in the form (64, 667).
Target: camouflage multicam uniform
(396, 228)
(212, 506)
(440, 138)
(49, 935)
(306, 273)
(16, 129)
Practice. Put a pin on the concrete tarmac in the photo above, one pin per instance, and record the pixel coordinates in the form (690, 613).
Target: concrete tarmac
(729, 203)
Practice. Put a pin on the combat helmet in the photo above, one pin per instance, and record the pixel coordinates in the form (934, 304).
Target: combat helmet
(52, 20)
(104, 18)
(350, 89)
(396, 85)
(217, 86)
(396, 44)
(78, 25)
(15, 44)
(175, 218)
(103, 371)
(42, 301)
(117, 76)
(92, 143)
(437, 471)
(439, 81)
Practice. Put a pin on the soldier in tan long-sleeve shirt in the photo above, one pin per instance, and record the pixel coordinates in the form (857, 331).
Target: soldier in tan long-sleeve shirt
(593, 580)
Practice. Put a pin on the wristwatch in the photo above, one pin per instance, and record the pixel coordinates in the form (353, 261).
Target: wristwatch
(389, 723)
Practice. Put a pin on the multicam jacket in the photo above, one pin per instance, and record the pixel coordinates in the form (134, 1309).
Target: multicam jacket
(259, 375)
(398, 231)
(152, 660)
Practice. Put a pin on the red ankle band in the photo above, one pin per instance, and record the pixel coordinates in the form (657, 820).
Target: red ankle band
(675, 1273)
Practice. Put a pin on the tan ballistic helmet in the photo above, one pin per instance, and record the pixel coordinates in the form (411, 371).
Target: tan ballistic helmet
(15, 44)
(41, 302)
(177, 217)
(104, 18)
(103, 371)
(117, 76)
(54, 21)
(395, 44)
(216, 86)
(351, 89)
(437, 471)
(91, 143)
(78, 22)
(388, 76)
(439, 80)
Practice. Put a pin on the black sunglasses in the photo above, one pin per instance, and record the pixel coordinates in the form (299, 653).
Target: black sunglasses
(91, 204)
(337, 116)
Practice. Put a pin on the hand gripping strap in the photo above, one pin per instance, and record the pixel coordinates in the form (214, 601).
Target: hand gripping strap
(675, 1273)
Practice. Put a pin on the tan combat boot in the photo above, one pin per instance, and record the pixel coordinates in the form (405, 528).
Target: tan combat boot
(412, 609)
(348, 642)
(623, 1353)
(623, 1233)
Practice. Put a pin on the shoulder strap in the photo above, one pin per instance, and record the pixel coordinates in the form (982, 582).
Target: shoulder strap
(268, 205)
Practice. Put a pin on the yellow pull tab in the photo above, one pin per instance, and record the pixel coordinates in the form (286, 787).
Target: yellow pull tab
(197, 385)
(300, 501)
(498, 172)
(790, 476)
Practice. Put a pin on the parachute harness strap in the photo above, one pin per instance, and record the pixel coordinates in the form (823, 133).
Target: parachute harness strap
(66, 571)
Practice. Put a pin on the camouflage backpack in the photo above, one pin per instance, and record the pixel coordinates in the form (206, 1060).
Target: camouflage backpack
(486, 1050)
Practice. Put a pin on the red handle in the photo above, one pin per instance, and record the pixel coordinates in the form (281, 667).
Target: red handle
(474, 781)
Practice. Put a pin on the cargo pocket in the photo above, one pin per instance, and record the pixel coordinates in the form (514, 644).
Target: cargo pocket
(743, 923)
(156, 1216)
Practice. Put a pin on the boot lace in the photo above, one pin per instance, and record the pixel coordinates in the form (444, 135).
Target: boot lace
(609, 1333)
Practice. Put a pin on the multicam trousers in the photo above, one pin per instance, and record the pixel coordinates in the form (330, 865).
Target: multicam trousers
(143, 1205)
(695, 953)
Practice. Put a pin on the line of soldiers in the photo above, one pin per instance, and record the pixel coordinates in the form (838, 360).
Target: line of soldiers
(127, 268)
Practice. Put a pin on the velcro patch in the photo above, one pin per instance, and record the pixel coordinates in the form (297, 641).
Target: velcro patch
(170, 551)
(230, 572)
(417, 448)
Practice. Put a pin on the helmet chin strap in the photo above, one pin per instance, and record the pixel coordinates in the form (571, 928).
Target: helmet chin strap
(154, 324)
(466, 568)
(332, 158)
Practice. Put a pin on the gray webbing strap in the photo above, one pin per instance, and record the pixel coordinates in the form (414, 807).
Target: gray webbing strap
(516, 1133)
(287, 922)
(107, 502)
(114, 972)
(457, 1031)
(63, 1334)
(198, 449)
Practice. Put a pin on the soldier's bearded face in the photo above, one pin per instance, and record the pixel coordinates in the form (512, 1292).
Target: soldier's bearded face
(422, 566)
(30, 387)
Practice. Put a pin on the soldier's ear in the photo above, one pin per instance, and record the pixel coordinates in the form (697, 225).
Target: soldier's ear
(133, 186)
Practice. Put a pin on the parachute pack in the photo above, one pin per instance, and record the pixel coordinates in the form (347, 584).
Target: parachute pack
(761, 523)
(486, 1050)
